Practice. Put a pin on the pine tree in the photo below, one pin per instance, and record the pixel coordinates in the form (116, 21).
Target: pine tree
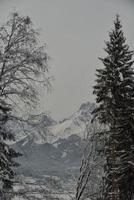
(115, 95)
(7, 155)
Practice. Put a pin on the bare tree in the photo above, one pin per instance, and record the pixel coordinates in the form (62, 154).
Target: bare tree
(23, 66)
(23, 62)
(90, 184)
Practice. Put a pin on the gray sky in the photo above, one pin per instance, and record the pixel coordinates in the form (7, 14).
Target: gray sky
(74, 31)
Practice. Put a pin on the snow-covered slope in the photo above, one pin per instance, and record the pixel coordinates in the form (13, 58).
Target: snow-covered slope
(73, 125)
(35, 129)
(42, 129)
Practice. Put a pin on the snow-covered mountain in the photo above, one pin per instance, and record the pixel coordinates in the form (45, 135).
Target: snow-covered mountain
(53, 148)
(74, 124)
(42, 128)
(34, 129)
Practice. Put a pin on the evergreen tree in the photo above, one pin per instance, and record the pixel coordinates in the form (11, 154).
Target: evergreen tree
(115, 95)
(7, 154)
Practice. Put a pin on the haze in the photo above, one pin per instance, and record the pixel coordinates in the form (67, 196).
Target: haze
(74, 31)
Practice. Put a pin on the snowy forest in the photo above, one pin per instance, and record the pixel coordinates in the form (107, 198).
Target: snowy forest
(86, 156)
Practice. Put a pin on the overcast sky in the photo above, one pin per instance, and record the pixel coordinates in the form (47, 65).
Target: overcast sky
(74, 31)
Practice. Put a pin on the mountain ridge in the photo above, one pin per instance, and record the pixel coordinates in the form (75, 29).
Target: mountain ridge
(43, 129)
(54, 148)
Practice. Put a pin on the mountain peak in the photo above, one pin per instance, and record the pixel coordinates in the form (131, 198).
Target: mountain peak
(42, 128)
(87, 106)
